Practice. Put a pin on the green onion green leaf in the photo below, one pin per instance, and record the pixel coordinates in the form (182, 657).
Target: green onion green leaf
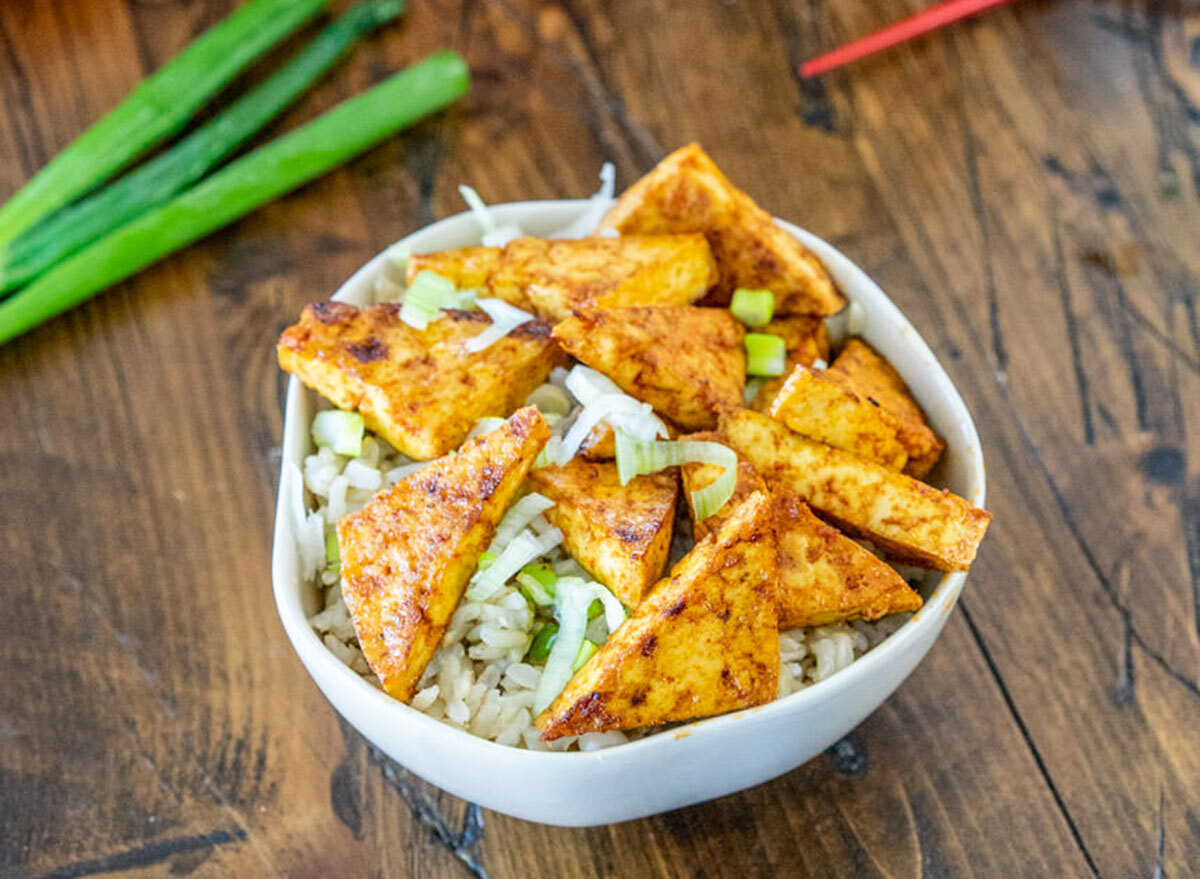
(158, 108)
(543, 643)
(586, 650)
(58, 236)
(246, 183)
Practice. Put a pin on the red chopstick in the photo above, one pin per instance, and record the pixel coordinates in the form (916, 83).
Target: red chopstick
(936, 16)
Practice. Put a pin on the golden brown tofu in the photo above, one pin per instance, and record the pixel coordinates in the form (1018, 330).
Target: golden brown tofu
(686, 192)
(824, 576)
(620, 534)
(909, 520)
(685, 362)
(468, 267)
(703, 642)
(600, 444)
(822, 405)
(806, 340)
(875, 378)
(408, 554)
(552, 278)
(418, 389)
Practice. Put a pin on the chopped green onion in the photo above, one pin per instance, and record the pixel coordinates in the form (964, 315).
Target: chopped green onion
(765, 354)
(154, 183)
(340, 430)
(571, 604)
(158, 107)
(241, 186)
(543, 643)
(754, 308)
(586, 650)
(333, 557)
(425, 298)
(550, 400)
(523, 549)
(478, 207)
(543, 574)
(517, 519)
(535, 591)
(637, 457)
(505, 319)
(595, 609)
(486, 559)
(552, 454)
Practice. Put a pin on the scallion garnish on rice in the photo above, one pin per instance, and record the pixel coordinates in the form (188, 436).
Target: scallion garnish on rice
(637, 457)
(572, 600)
(340, 430)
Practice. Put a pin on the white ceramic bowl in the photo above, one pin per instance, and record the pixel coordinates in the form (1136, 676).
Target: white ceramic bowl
(685, 765)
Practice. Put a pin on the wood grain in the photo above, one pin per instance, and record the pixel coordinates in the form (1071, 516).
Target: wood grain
(1027, 188)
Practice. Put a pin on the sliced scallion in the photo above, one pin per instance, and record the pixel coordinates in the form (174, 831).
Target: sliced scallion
(754, 308)
(333, 557)
(765, 354)
(586, 650)
(340, 430)
(505, 319)
(425, 298)
(543, 643)
(517, 519)
(523, 549)
(637, 457)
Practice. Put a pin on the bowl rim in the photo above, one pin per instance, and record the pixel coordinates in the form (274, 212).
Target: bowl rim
(310, 649)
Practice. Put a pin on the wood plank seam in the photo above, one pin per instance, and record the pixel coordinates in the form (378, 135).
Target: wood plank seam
(1029, 742)
(464, 843)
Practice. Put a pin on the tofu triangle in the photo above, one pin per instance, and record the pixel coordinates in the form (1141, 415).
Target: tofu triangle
(824, 576)
(407, 555)
(620, 533)
(686, 362)
(418, 389)
(704, 640)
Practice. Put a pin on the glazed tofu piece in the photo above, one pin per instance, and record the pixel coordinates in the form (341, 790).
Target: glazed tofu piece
(875, 379)
(823, 405)
(418, 389)
(408, 554)
(824, 576)
(806, 340)
(907, 519)
(686, 192)
(703, 642)
(552, 278)
(468, 267)
(687, 362)
(620, 533)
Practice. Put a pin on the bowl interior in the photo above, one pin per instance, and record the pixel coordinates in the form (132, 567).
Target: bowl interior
(885, 328)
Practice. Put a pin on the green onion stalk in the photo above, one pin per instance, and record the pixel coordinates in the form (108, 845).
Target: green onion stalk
(237, 189)
(59, 235)
(158, 108)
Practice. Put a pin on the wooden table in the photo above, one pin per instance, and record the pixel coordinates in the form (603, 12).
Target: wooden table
(1025, 186)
